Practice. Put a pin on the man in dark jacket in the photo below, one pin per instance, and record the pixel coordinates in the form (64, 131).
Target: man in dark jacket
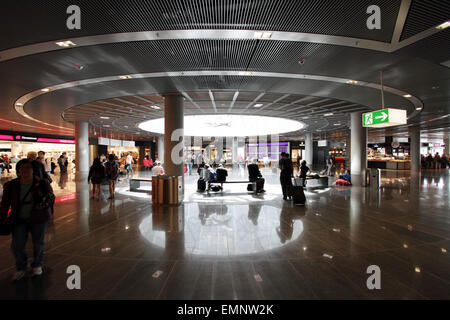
(255, 175)
(31, 201)
(38, 168)
(286, 175)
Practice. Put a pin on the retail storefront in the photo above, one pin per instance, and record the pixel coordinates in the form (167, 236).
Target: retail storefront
(17, 146)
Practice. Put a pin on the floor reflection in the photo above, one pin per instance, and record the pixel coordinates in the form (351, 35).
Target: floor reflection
(224, 230)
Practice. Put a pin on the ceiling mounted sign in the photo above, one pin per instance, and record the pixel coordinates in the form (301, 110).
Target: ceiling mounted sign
(384, 118)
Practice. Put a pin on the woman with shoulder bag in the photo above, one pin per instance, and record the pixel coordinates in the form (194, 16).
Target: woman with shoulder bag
(31, 202)
(97, 174)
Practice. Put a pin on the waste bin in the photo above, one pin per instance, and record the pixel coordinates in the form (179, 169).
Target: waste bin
(167, 190)
(374, 180)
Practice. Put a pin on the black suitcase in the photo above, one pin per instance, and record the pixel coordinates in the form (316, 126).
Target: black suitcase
(298, 195)
(201, 185)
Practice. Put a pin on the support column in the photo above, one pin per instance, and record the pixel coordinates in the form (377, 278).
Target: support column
(358, 157)
(81, 149)
(309, 149)
(447, 144)
(414, 148)
(173, 121)
(161, 149)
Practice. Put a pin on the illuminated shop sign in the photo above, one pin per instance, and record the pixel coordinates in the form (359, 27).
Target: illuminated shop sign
(6, 137)
(25, 138)
(56, 141)
(35, 139)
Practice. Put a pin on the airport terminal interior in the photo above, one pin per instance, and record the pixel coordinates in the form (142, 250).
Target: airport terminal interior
(259, 150)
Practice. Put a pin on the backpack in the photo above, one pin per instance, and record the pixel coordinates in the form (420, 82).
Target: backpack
(96, 174)
(113, 171)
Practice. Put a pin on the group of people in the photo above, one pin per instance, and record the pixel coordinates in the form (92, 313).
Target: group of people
(107, 169)
(436, 162)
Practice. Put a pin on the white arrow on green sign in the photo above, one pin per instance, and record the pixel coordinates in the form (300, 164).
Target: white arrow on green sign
(384, 118)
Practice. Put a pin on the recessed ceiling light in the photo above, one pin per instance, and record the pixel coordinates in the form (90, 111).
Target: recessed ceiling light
(258, 105)
(352, 81)
(258, 34)
(66, 44)
(443, 26)
(407, 96)
(45, 90)
(106, 118)
(418, 108)
(337, 124)
(125, 77)
(156, 107)
(328, 114)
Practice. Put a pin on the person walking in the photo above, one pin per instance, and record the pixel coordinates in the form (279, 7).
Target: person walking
(31, 201)
(286, 175)
(112, 174)
(97, 174)
(45, 162)
(128, 164)
(63, 163)
(38, 167)
(330, 164)
(304, 169)
(6, 162)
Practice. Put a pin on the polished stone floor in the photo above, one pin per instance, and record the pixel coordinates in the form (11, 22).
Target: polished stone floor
(237, 245)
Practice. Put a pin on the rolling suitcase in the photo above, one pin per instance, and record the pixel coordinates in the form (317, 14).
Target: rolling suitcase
(201, 185)
(298, 195)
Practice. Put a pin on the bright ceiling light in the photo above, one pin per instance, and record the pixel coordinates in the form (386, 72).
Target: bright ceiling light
(66, 44)
(156, 107)
(258, 34)
(304, 118)
(407, 96)
(337, 124)
(45, 90)
(258, 105)
(106, 125)
(262, 35)
(328, 114)
(19, 104)
(443, 26)
(106, 118)
(418, 108)
(352, 81)
(228, 125)
(125, 77)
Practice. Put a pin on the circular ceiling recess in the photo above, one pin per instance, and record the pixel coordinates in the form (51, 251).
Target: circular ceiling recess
(228, 125)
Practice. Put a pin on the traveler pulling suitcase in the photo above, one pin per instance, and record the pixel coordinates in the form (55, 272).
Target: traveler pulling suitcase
(201, 185)
(298, 196)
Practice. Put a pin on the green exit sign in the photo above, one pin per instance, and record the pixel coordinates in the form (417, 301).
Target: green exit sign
(384, 118)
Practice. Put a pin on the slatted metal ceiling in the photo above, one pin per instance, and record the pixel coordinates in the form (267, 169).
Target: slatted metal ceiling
(424, 14)
(127, 112)
(435, 48)
(110, 16)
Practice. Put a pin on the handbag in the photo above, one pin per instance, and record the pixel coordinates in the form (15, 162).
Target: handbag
(6, 227)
